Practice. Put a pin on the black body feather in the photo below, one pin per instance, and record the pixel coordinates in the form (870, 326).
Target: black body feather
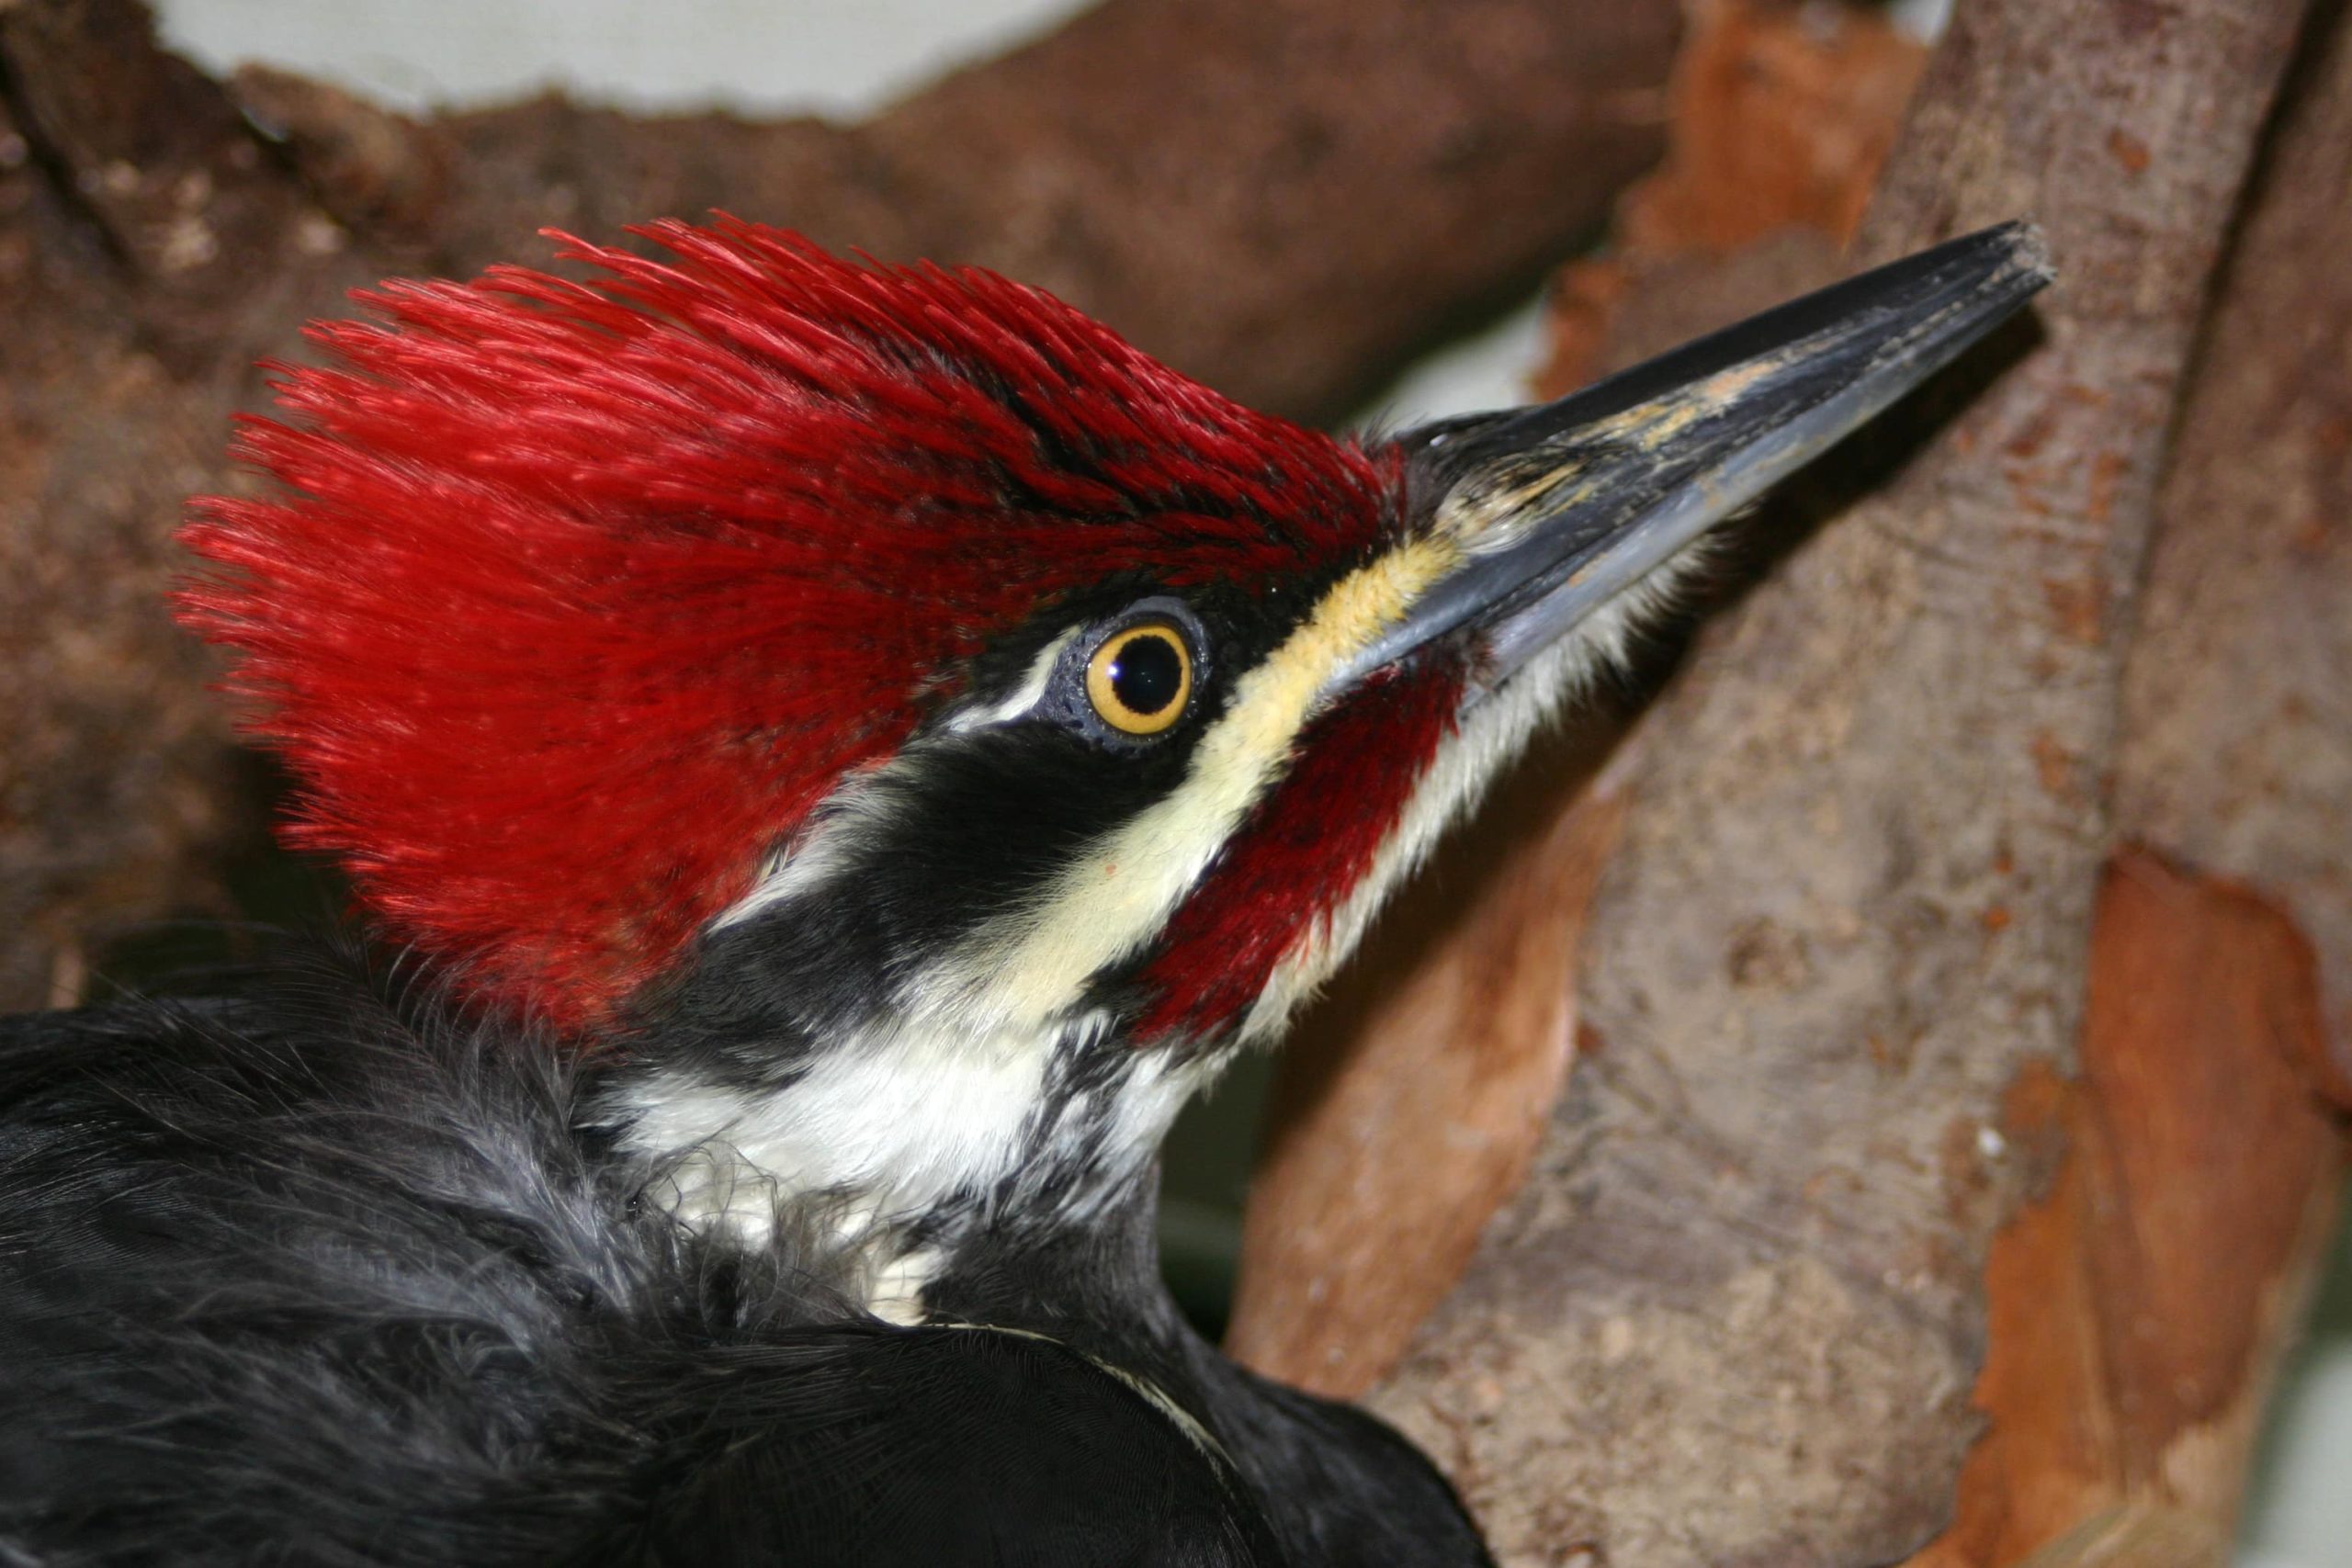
(333, 1276)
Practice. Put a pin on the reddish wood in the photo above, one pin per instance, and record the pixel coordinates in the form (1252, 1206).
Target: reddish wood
(2136, 1311)
(1735, 1314)
(2238, 740)
(1780, 117)
(1390, 1106)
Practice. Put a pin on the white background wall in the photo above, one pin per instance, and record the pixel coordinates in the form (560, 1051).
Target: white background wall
(845, 57)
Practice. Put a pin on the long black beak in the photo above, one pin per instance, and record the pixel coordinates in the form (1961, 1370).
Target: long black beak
(1558, 509)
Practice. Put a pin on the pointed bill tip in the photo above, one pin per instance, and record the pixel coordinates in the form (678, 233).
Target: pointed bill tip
(1559, 508)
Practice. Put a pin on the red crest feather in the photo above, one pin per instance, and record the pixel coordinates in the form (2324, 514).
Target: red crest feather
(579, 596)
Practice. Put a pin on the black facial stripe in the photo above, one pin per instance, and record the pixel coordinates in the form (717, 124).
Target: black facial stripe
(984, 824)
(962, 827)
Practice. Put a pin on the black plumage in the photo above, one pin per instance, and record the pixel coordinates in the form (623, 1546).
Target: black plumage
(330, 1274)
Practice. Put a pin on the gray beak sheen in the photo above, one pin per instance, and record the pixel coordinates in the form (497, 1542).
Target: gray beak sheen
(1561, 507)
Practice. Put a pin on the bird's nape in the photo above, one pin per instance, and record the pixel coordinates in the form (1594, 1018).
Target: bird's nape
(856, 748)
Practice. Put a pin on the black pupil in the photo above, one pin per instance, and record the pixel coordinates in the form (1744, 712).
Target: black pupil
(1148, 672)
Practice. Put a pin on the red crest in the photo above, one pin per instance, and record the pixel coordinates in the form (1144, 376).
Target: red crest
(576, 597)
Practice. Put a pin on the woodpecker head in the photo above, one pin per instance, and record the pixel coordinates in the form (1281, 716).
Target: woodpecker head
(884, 692)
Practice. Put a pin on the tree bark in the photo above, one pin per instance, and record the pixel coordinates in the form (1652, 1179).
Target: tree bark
(1410, 1104)
(2139, 1311)
(1735, 1314)
(1282, 199)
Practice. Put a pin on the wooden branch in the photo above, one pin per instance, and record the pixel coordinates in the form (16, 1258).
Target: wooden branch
(1282, 199)
(1395, 1131)
(2140, 1310)
(1781, 119)
(1407, 1106)
(1734, 1316)
(2237, 754)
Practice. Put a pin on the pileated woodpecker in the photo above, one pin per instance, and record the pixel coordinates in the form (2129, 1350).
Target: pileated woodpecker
(845, 752)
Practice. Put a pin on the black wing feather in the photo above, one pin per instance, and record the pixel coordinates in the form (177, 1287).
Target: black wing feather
(332, 1277)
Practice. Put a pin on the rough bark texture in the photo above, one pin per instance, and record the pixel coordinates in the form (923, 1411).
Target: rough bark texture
(2237, 754)
(1394, 1130)
(1407, 1106)
(1734, 1316)
(2138, 1309)
(1781, 118)
(1280, 198)
(2138, 1313)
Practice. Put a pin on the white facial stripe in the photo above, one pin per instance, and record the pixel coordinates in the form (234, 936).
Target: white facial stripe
(1027, 696)
(1117, 895)
(894, 1124)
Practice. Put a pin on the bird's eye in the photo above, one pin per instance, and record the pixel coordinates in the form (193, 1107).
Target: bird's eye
(1140, 679)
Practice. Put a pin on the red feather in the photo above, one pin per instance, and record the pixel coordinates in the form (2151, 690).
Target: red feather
(1297, 856)
(580, 595)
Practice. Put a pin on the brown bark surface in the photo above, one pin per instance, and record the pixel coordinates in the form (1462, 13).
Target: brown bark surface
(1780, 118)
(1734, 1316)
(1394, 1130)
(2237, 751)
(2138, 1313)
(1408, 1105)
(2136, 1310)
(1280, 198)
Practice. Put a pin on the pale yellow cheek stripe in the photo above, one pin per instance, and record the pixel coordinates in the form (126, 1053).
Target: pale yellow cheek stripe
(1120, 892)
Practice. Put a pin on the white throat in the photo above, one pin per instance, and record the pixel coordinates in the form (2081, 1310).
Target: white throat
(896, 1142)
